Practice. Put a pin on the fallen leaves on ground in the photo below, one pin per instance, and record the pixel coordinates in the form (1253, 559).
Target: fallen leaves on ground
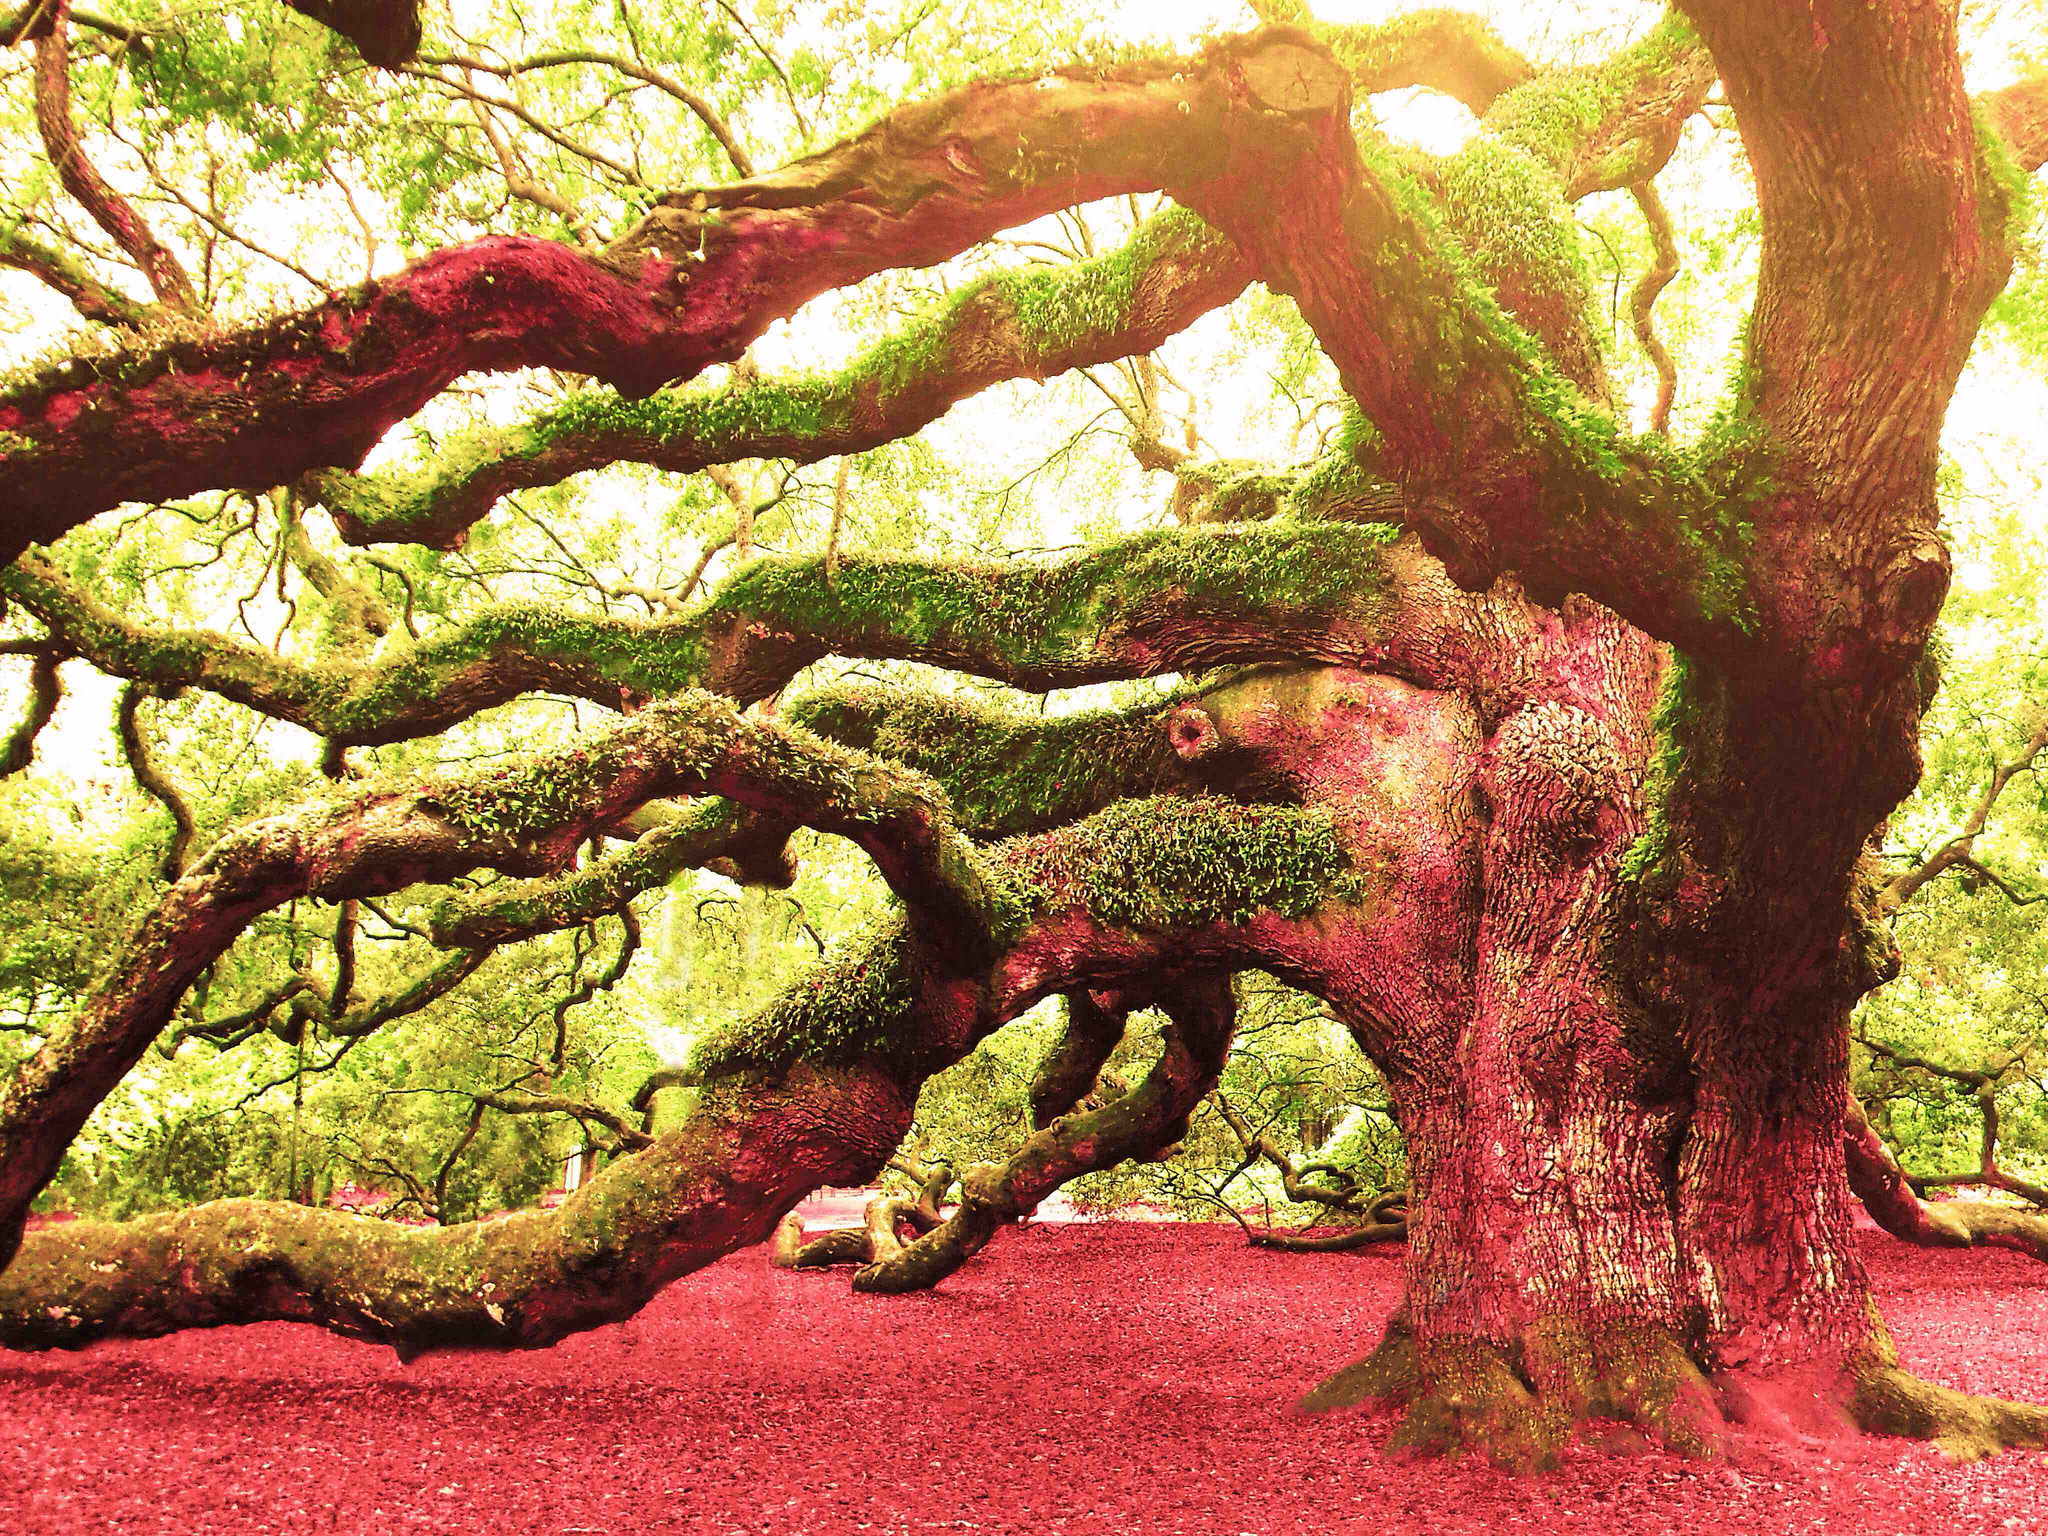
(1074, 1379)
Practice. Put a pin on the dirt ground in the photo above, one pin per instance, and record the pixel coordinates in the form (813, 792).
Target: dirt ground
(1113, 1378)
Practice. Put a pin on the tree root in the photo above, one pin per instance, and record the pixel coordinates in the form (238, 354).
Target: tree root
(1889, 1401)
(1621, 1385)
(1604, 1384)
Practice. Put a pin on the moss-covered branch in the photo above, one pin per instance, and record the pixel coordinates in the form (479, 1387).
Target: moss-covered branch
(1006, 772)
(1159, 603)
(749, 1151)
(45, 689)
(816, 1089)
(522, 909)
(694, 282)
(1031, 323)
(524, 819)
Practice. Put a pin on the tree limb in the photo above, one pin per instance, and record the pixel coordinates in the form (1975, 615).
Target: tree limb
(1958, 850)
(45, 689)
(112, 212)
(154, 782)
(1158, 603)
(1023, 323)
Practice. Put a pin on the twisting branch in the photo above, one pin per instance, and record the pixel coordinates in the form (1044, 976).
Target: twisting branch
(1958, 852)
(518, 909)
(707, 114)
(1201, 1014)
(1380, 1217)
(1642, 300)
(1235, 134)
(153, 780)
(523, 186)
(510, 1102)
(1983, 1084)
(879, 1235)
(526, 820)
(45, 690)
(229, 1030)
(108, 208)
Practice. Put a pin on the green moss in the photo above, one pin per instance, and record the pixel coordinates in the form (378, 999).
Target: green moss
(856, 1003)
(1554, 114)
(1005, 772)
(1684, 726)
(1032, 616)
(1184, 862)
(2006, 188)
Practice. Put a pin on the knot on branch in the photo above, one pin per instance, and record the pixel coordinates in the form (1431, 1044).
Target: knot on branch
(1285, 70)
(1192, 731)
(1910, 591)
(1460, 541)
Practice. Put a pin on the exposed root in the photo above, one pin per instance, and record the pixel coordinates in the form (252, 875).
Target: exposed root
(1609, 1385)
(1890, 1401)
(1626, 1385)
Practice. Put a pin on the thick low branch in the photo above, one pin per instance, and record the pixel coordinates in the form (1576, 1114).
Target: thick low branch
(1142, 894)
(1029, 323)
(748, 1152)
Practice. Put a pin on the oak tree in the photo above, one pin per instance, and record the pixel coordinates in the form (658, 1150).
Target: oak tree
(1547, 752)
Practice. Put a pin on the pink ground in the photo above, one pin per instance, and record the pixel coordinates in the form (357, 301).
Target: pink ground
(1112, 1378)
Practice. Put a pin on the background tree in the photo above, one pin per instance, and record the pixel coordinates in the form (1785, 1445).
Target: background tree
(1548, 753)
